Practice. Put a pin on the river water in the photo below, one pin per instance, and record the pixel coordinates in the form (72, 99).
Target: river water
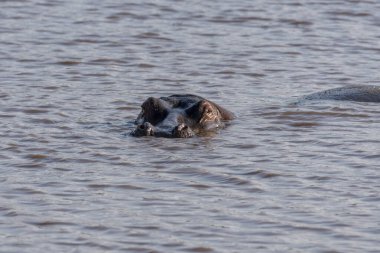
(282, 177)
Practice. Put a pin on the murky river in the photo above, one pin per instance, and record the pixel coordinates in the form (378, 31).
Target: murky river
(282, 177)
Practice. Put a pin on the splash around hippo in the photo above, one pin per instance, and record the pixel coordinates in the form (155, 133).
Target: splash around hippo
(179, 116)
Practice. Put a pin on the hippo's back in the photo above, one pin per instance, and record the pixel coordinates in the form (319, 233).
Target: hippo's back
(366, 93)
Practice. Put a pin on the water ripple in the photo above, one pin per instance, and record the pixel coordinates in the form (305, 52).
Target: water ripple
(286, 175)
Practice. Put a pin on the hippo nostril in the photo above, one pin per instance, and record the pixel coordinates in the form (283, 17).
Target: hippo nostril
(181, 127)
(182, 131)
(145, 129)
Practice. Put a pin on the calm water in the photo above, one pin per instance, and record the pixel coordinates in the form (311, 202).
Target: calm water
(280, 178)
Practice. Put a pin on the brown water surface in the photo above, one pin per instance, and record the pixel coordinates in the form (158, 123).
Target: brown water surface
(283, 177)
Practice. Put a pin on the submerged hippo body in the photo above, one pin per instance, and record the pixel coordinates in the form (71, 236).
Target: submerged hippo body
(365, 93)
(179, 116)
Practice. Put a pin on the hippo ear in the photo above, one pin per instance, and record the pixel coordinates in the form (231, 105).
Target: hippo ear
(224, 113)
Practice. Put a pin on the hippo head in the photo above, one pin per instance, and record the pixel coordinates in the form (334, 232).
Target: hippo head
(179, 116)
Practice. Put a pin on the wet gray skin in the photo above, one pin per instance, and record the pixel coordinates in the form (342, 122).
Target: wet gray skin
(179, 116)
(364, 93)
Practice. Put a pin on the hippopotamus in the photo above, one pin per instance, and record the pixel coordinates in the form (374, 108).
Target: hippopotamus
(179, 116)
(364, 93)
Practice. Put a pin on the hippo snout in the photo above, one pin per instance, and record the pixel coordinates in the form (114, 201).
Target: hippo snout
(182, 131)
(145, 129)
